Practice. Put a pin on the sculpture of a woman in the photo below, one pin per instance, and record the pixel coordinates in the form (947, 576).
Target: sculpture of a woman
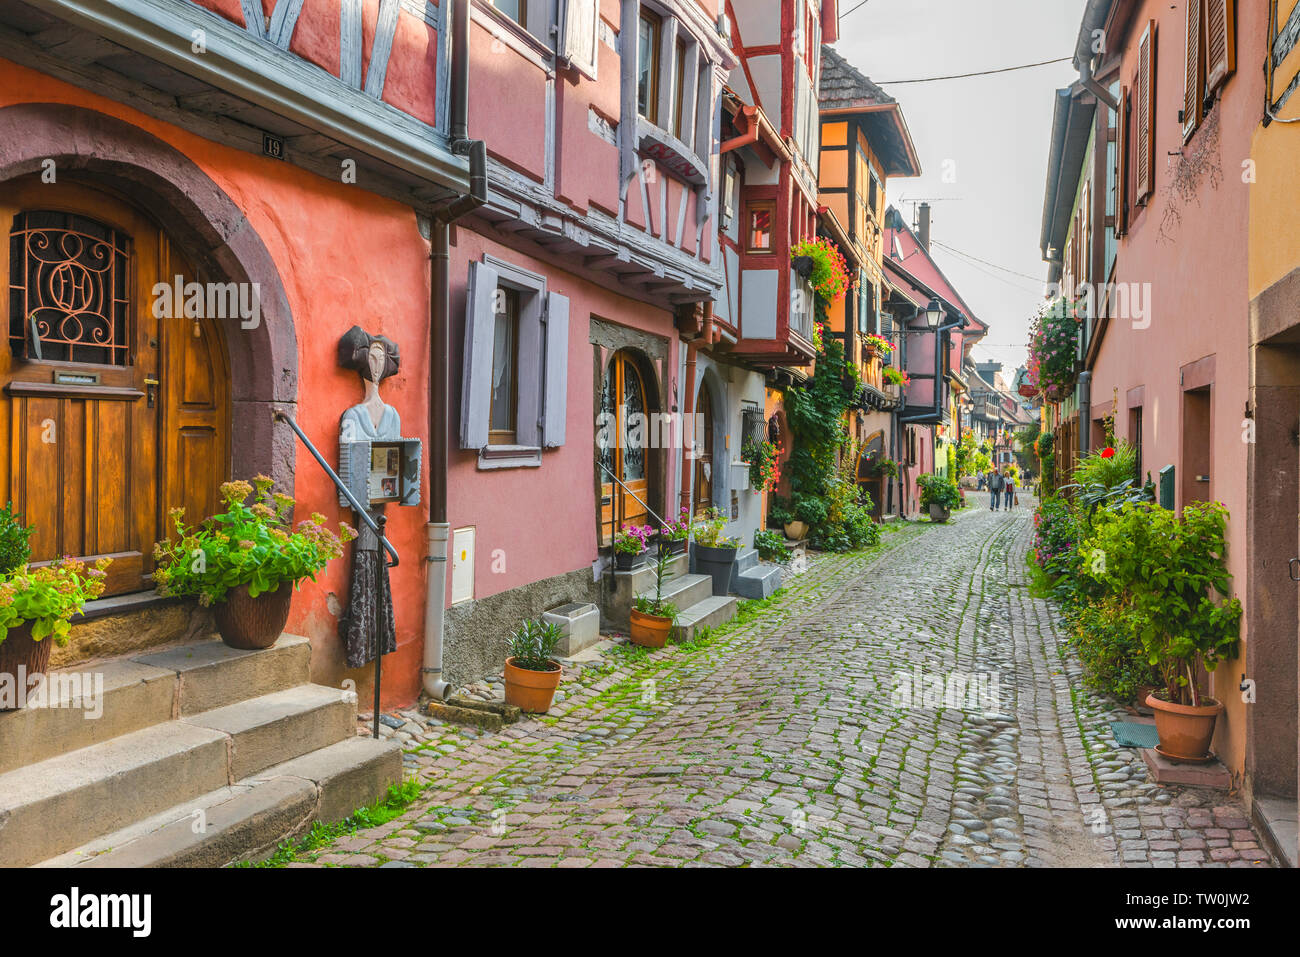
(375, 358)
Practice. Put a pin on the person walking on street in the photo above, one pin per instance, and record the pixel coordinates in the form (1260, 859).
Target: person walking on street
(1009, 491)
(996, 483)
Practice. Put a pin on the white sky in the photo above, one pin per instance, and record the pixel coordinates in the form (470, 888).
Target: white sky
(994, 129)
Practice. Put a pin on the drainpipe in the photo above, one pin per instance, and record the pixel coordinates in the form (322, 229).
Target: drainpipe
(1094, 19)
(438, 531)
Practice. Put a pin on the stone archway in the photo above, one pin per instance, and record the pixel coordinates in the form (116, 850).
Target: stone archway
(204, 221)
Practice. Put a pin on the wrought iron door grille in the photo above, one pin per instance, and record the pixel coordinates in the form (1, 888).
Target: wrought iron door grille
(68, 278)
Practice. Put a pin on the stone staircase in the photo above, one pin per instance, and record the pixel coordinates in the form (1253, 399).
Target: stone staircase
(693, 595)
(753, 578)
(202, 755)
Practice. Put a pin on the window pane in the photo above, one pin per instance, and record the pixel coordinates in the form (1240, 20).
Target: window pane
(503, 367)
(760, 228)
(679, 91)
(647, 69)
(516, 10)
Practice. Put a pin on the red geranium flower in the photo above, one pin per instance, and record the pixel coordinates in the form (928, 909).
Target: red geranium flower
(1107, 452)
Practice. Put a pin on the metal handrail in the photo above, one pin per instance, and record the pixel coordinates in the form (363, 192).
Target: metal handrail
(617, 482)
(378, 529)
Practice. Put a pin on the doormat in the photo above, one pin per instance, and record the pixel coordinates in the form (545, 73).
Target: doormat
(1129, 734)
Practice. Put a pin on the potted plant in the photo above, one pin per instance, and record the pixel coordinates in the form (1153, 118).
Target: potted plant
(676, 535)
(630, 545)
(888, 467)
(652, 619)
(531, 671)
(771, 546)
(1168, 575)
(35, 607)
(715, 553)
(247, 561)
(939, 496)
(895, 376)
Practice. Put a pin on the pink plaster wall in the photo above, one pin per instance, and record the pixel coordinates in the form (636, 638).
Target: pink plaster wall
(543, 520)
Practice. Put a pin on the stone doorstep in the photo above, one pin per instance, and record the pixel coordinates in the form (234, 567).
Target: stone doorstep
(248, 820)
(1163, 771)
(508, 712)
(1276, 822)
(145, 689)
(72, 798)
(460, 714)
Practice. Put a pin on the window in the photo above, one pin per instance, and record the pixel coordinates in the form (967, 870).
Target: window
(761, 221)
(515, 379)
(505, 363)
(68, 298)
(1211, 57)
(730, 186)
(647, 66)
(679, 88)
(516, 10)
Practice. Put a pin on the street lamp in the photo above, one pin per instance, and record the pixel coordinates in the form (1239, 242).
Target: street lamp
(933, 313)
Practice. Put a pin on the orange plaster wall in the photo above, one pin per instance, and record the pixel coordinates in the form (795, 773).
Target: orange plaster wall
(345, 256)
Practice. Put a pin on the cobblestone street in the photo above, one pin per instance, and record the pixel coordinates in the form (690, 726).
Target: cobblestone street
(781, 739)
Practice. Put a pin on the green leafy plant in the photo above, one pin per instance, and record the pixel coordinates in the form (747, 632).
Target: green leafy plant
(830, 277)
(678, 531)
(709, 532)
(251, 545)
(632, 539)
(1169, 581)
(937, 490)
(49, 596)
(895, 376)
(533, 645)
(771, 546)
(14, 540)
(1053, 342)
(658, 606)
(888, 467)
(881, 345)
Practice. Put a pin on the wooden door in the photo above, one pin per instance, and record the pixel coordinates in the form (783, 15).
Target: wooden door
(624, 396)
(704, 453)
(106, 402)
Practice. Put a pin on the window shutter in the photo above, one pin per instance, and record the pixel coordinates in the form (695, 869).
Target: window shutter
(581, 35)
(1221, 42)
(1122, 166)
(480, 330)
(1193, 74)
(557, 369)
(1146, 110)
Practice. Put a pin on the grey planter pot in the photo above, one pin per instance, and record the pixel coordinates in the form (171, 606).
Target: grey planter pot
(717, 563)
(939, 514)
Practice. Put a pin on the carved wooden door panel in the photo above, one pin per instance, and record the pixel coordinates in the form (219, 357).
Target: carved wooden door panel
(102, 394)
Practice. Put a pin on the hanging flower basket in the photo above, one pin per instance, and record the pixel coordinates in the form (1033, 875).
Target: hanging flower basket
(830, 277)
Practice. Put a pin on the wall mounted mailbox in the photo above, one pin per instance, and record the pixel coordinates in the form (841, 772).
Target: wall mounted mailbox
(381, 471)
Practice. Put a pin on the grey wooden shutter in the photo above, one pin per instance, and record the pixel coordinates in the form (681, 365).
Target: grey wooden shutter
(557, 370)
(581, 39)
(480, 330)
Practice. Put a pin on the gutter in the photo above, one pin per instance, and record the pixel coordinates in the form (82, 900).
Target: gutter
(438, 531)
(1094, 20)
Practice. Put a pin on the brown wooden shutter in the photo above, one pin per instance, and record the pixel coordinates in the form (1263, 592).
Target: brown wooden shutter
(1193, 78)
(1221, 42)
(1122, 165)
(1146, 113)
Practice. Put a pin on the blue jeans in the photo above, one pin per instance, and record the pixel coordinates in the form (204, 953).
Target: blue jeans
(997, 495)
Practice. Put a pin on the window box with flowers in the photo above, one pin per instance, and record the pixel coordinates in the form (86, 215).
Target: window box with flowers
(630, 545)
(676, 535)
(822, 263)
(875, 345)
(896, 377)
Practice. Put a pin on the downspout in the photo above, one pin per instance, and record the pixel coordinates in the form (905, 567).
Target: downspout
(438, 531)
(1085, 411)
(1095, 14)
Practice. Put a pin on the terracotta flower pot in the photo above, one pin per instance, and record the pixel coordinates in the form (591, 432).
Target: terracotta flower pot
(19, 650)
(252, 624)
(651, 631)
(796, 531)
(1185, 731)
(531, 690)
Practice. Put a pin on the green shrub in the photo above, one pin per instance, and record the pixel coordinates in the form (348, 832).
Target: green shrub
(1113, 659)
(14, 535)
(937, 490)
(771, 546)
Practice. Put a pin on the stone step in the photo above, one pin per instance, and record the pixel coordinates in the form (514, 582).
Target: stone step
(685, 591)
(757, 582)
(709, 613)
(276, 727)
(746, 558)
(94, 702)
(639, 579)
(248, 820)
(63, 802)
